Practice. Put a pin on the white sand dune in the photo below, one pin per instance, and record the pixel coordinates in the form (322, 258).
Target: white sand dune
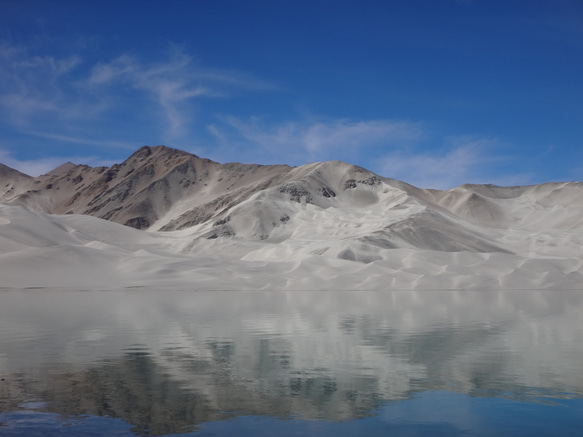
(331, 225)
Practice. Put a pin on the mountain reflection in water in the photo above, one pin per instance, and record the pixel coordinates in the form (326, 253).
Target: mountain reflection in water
(169, 361)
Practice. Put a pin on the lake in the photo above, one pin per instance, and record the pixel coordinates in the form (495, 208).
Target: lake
(147, 362)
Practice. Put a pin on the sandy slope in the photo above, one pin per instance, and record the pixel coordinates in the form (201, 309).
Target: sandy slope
(326, 225)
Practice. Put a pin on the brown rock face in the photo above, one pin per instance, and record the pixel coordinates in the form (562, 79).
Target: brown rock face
(137, 192)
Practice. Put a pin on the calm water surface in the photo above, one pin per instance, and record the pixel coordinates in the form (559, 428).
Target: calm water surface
(149, 362)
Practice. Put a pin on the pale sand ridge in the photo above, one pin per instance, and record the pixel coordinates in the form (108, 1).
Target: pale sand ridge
(331, 225)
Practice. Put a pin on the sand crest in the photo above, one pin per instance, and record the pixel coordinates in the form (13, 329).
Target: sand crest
(331, 225)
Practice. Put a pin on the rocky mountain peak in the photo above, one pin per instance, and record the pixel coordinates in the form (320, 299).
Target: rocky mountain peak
(61, 169)
(8, 172)
(148, 152)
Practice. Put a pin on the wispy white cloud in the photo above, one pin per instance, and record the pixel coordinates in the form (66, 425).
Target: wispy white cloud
(172, 84)
(316, 140)
(103, 73)
(37, 167)
(397, 149)
(57, 67)
(67, 99)
(64, 92)
(83, 141)
(8, 50)
(461, 160)
(32, 84)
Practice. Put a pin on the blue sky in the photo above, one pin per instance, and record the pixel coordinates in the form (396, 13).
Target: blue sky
(433, 92)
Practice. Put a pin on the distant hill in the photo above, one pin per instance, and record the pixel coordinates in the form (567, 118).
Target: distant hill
(332, 210)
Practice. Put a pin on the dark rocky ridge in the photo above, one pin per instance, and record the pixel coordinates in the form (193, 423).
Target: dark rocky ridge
(135, 193)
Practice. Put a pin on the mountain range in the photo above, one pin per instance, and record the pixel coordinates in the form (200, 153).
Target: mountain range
(327, 225)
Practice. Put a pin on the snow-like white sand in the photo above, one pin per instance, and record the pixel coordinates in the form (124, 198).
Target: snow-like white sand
(327, 249)
(322, 226)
